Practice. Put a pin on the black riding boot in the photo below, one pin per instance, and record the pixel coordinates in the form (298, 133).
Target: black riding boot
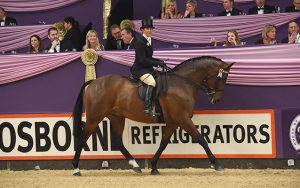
(148, 101)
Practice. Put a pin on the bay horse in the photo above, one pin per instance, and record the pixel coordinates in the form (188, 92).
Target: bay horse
(116, 97)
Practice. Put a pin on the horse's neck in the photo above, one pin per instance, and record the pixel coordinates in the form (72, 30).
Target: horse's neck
(194, 75)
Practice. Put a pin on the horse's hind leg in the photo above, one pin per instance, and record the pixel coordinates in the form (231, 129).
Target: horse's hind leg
(117, 125)
(190, 128)
(168, 130)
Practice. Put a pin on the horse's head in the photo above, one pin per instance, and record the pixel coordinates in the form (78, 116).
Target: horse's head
(216, 83)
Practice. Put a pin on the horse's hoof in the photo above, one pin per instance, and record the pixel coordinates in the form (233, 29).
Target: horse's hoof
(137, 170)
(155, 172)
(217, 166)
(77, 174)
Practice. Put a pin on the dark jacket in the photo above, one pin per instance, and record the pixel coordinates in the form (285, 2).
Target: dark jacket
(111, 44)
(267, 10)
(9, 21)
(65, 46)
(74, 36)
(291, 9)
(144, 61)
(197, 15)
(132, 45)
(234, 12)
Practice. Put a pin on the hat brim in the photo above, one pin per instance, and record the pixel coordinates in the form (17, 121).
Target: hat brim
(147, 27)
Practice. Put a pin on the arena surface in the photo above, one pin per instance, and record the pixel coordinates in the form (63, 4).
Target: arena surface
(186, 178)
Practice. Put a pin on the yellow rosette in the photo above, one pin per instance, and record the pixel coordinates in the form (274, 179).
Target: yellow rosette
(89, 57)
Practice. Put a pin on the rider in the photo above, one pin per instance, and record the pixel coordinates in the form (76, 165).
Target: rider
(143, 64)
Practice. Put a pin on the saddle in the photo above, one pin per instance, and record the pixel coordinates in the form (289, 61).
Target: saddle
(160, 89)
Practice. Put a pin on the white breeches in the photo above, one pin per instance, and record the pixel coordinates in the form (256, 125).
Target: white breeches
(148, 79)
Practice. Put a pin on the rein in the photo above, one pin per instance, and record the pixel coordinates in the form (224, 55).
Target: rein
(203, 86)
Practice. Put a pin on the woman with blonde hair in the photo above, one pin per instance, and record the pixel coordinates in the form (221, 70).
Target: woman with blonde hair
(92, 41)
(268, 35)
(171, 10)
(190, 11)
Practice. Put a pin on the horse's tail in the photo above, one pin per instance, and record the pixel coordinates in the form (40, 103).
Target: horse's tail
(77, 115)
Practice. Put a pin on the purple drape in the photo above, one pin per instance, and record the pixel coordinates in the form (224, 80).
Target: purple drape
(276, 65)
(200, 30)
(37, 5)
(16, 37)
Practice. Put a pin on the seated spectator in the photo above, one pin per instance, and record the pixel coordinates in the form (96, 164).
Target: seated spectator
(35, 44)
(6, 21)
(114, 42)
(73, 33)
(229, 10)
(171, 11)
(294, 8)
(293, 36)
(57, 45)
(268, 35)
(92, 41)
(128, 38)
(190, 11)
(232, 39)
(261, 8)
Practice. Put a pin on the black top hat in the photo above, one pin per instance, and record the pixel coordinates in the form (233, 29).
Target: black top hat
(147, 23)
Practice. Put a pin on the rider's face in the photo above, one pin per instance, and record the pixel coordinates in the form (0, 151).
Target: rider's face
(147, 31)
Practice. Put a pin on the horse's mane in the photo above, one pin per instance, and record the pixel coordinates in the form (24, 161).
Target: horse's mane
(192, 61)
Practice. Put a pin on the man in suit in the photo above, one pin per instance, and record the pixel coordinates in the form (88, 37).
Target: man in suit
(57, 45)
(143, 64)
(6, 21)
(261, 8)
(128, 38)
(293, 36)
(295, 7)
(114, 42)
(229, 10)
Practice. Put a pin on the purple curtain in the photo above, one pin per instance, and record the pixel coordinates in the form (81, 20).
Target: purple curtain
(275, 65)
(200, 30)
(16, 37)
(36, 5)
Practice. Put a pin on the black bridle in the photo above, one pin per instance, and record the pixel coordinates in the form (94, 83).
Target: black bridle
(204, 85)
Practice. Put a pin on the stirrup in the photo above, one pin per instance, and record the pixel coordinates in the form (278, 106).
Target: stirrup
(148, 112)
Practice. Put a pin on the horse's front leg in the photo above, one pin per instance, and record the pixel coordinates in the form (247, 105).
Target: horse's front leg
(166, 134)
(117, 125)
(191, 129)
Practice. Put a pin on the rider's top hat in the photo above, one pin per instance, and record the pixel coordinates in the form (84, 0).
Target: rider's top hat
(147, 23)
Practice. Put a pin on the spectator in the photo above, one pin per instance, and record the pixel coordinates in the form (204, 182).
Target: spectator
(73, 33)
(293, 36)
(171, 11)
(92, 41)
(232, 39)
(128, 38)
(57, 45)
(268, 35)
(294, 8)
(229, 10)
(6, 21)
(261, 8)
(114, 42)
(190, 11)
(35, 44)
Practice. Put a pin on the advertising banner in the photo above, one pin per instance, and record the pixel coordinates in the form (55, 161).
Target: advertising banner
(291, 133)
(229, 133)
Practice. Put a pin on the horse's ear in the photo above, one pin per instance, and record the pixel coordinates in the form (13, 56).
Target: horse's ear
(230, 65)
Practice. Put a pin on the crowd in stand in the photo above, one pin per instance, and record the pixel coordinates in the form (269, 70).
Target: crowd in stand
(124, 38)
